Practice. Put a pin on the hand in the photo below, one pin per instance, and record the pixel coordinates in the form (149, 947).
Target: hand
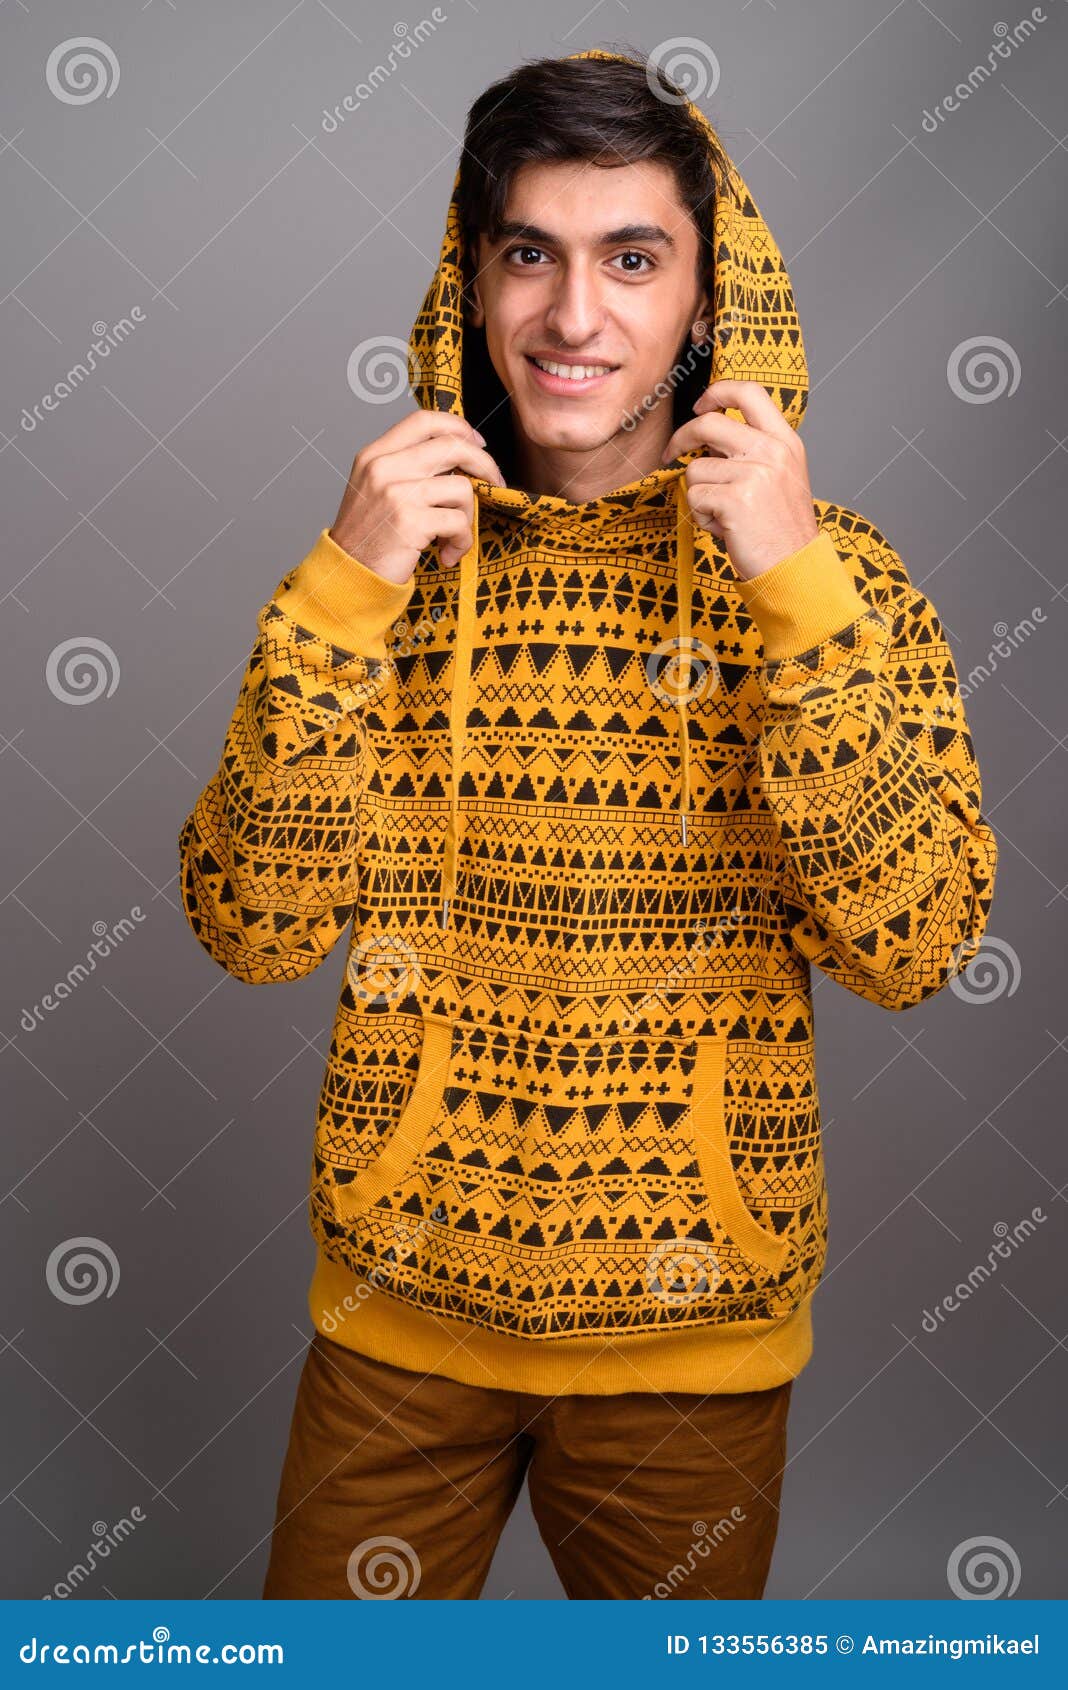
(401, 496)
(754, 493)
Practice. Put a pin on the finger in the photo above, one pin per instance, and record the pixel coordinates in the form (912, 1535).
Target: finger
(719, 433)
(714, 492)
(752, 399)
(442, 492)
(712, 472)
(417, 426)
(451, 528)
(441, 454)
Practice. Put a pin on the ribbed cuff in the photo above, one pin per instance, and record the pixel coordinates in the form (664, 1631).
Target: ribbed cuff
(802, 599)
(341, 599)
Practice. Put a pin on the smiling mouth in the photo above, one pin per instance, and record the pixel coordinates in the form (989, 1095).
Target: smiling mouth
(576, 373)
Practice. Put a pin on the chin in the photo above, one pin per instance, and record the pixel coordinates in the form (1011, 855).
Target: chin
(569, 434)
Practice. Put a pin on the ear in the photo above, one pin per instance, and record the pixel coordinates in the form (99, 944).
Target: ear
(474, 312)
(703, 310)
(476, 315)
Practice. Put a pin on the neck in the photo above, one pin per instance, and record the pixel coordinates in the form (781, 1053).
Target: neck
(579, 476)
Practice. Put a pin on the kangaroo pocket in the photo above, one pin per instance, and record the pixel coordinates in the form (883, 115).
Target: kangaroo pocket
(543, 1187)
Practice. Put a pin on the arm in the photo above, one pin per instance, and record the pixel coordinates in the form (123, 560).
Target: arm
(268, 853)
(868, 768)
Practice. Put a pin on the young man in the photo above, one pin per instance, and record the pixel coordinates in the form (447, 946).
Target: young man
(591, 730)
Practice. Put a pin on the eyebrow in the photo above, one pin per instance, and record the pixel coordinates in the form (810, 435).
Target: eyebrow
(651, 234)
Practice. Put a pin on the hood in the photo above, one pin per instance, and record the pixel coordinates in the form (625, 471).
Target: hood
(755, 336)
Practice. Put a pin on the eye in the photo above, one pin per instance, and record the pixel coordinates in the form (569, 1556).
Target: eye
(512, 250)
(644, 256)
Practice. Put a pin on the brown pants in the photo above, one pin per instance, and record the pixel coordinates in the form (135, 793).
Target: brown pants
(399, 1484)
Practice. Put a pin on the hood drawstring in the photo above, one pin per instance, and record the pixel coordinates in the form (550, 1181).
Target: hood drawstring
(465, 639)
(684, 567)
(465, 636)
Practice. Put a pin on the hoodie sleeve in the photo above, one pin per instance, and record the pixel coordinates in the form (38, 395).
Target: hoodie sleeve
(268, 853)
(868, 768)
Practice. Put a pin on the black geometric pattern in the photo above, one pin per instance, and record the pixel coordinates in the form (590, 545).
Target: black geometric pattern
(588, 1105)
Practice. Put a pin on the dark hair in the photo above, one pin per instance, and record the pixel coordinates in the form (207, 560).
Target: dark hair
(603, 111)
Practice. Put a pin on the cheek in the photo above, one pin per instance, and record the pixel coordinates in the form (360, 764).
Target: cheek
(511, 324)
(655, 333)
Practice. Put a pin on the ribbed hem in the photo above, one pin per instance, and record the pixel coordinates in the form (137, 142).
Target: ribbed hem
(751, 1355)
(802, 599)
(341, 599)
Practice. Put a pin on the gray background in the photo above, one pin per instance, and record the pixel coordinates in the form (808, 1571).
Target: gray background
(167, 1110)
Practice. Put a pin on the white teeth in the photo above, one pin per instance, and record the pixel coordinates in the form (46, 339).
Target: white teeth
(573, 372)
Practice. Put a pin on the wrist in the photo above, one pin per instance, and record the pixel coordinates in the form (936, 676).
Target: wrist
(803, 599)
(343, 600)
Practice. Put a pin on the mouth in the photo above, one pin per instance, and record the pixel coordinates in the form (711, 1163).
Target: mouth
(556, 376)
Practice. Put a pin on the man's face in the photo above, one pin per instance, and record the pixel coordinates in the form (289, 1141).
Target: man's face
(597, 267)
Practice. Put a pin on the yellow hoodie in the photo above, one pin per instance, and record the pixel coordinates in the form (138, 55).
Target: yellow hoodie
(586, 809)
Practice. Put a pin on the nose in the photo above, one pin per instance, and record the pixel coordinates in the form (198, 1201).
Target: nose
(576, 313)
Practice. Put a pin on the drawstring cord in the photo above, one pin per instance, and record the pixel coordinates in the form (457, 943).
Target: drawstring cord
(684, 566)
(465, 637)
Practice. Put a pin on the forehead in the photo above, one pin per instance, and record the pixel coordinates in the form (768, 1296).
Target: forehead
(578, 202)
